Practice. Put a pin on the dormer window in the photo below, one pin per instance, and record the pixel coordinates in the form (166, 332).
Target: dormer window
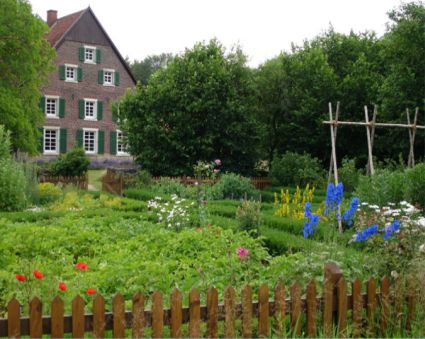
(89, 54)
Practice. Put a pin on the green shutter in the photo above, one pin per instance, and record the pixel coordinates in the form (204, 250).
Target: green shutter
(79, 74)
(117, 78)
(81, 108)
(100, 76)
(62, 140)
(79, 138)
(61, 108)
(99, 110)
(40, 145)
(98, 56)
(101, 142)
(62, 72)
(81, 53)
(113, 143)
(42, 104)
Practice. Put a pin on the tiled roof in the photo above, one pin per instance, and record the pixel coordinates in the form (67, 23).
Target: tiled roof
(61, 26)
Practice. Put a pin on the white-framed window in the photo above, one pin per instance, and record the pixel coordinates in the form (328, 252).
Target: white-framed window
(108, 77)
(52, 106)
(121, 146)
(71, 73)
(90, 54)
(90, 109)
(90, 136)
(51, 140)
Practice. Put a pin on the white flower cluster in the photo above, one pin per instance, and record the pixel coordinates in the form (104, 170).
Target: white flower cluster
(173, 214)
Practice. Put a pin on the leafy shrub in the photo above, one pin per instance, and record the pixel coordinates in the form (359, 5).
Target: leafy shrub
(382, 187)
(12, 177)
(48, 192)
(349, 174)
(248, 216)
(142, 179)
(12, 186)
(5, 146)
(415, 185)
(74, 163)
(169, 186)
(143, 194)
(234, 186)
(291, 169)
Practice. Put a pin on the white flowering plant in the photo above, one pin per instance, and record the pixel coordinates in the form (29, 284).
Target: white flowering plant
(176, 213)
(395, 232)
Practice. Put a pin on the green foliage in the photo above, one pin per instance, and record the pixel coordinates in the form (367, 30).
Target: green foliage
(72, 163)
(293, 169)
(142, 179)
(167, 186)
(415, 185)
(48, 192)
(234, 186)
(248, 216)
(197, 108)
(5, 147)
(26, 61)
(143, 194)
(382, 187)
(292, 92)
(12, 177)
(144, 69)
(404, 69)
(12, 186)
(115, 249)
(349, 174)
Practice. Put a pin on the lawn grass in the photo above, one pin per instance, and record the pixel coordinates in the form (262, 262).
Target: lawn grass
(95, 176)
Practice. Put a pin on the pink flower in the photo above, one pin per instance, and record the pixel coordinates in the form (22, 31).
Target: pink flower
(217, 162)
(242, 252)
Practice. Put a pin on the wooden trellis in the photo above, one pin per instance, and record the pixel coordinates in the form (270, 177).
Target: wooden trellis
(370, 135)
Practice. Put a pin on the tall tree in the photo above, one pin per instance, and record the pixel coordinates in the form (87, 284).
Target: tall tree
(403, 55)
(143, 69)
(198, 108)
(292, 95)
(25, 62)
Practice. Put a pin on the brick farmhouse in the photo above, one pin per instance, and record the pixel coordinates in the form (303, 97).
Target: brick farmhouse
(90, 75)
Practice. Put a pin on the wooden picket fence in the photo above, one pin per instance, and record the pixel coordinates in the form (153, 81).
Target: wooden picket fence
(327, 314)
(115, 182)
(80, 182)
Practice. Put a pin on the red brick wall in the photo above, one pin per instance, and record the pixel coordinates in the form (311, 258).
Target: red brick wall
(68, 53)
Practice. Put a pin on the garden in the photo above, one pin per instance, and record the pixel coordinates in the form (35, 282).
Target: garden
(220, 231)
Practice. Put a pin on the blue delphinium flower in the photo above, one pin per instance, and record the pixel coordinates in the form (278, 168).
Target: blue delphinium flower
(348, 214)
(395, 226)
(334, 195)
(312, 220)
(366, 233)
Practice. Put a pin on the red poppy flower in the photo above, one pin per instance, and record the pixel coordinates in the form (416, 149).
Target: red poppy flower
(82, 266)
(37, 274)
(21, 277)
(91, 291)
(62, 286)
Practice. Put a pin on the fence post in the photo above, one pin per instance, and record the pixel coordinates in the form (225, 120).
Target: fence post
(333, 274)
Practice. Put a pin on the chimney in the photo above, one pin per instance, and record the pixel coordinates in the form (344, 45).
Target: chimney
(52, 17)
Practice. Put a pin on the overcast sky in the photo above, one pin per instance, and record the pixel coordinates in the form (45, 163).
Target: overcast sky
(262, 28)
